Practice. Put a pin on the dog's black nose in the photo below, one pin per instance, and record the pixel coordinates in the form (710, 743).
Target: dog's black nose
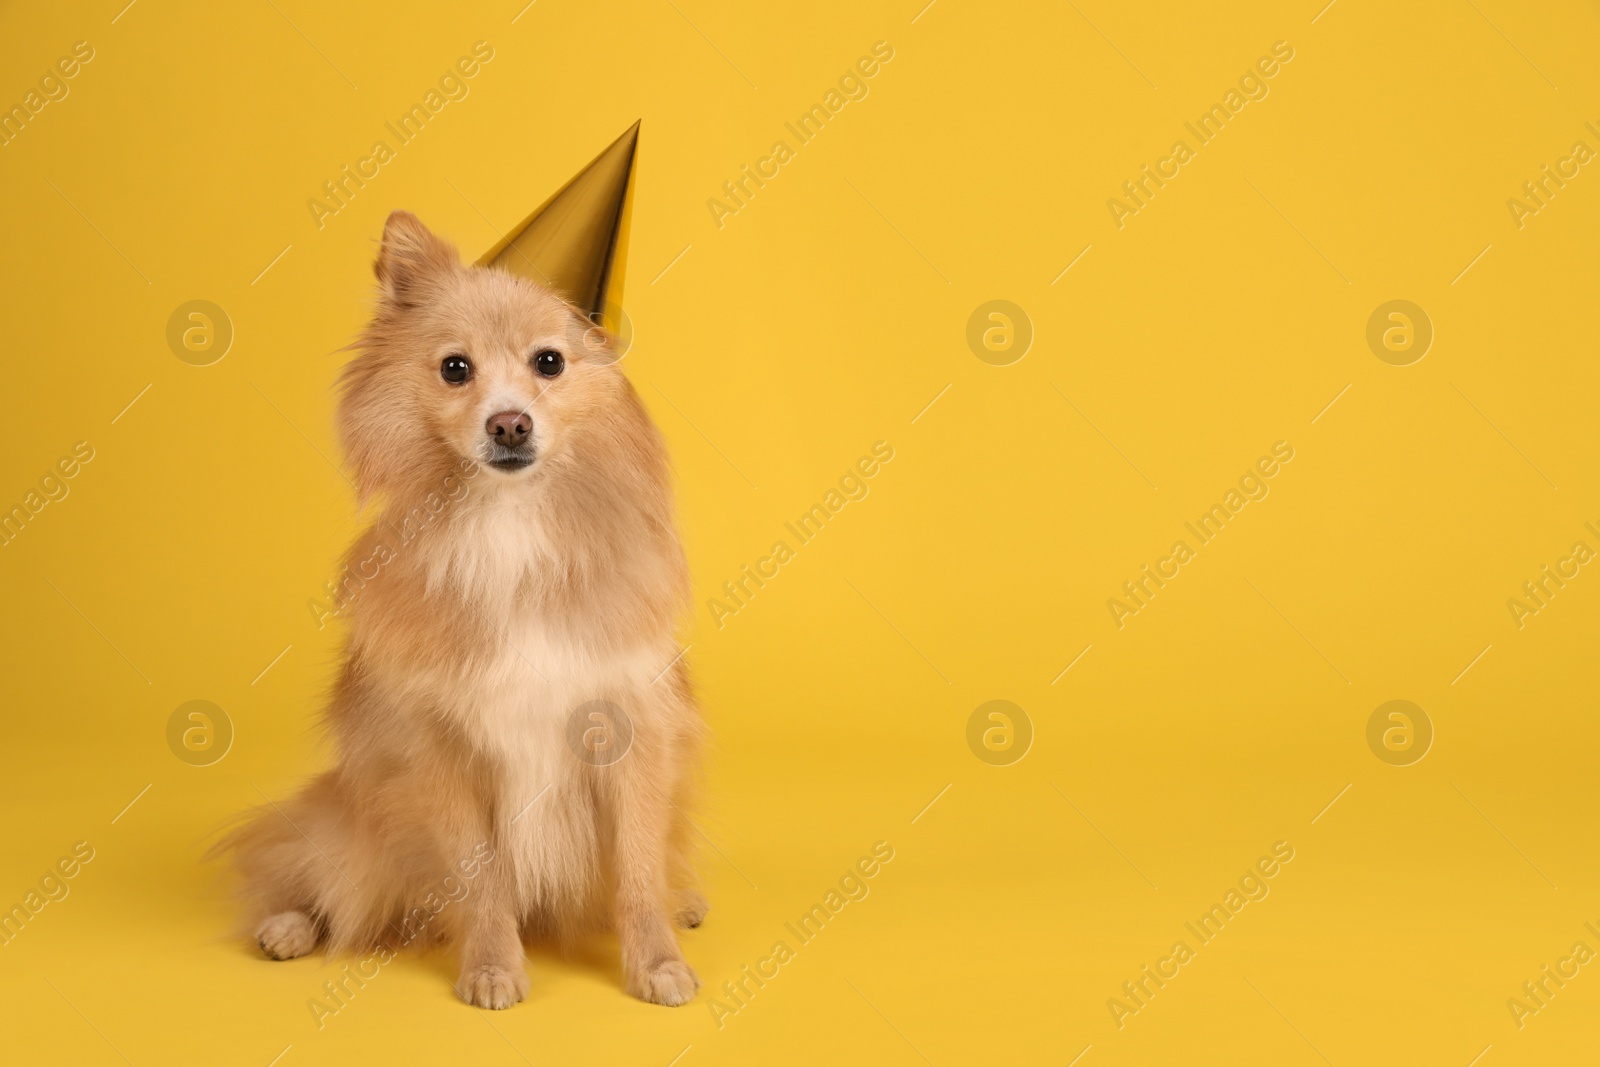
(509, 428)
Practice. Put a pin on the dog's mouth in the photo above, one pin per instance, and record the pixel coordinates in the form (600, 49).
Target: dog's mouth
(507, 460)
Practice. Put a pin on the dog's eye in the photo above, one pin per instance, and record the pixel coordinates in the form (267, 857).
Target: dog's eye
(455, 369)
(549, 363)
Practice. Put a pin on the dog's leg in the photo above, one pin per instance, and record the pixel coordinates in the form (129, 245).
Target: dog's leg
(652, 963)
(493, 971)
(689, 905)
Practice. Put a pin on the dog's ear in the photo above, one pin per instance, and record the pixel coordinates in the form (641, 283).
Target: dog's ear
(410, 258)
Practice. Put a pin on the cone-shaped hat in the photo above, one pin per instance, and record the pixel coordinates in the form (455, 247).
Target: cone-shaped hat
(576, 242)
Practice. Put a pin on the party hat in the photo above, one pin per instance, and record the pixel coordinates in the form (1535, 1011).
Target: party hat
(577, 241)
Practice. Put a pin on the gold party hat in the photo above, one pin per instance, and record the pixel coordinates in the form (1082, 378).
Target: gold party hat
(577, 241)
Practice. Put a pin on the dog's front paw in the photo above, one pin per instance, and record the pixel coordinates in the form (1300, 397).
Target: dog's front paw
(670, 982)
(286, 935)
(489, 986)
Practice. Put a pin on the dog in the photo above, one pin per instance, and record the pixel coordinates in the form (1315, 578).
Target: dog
(515, 729)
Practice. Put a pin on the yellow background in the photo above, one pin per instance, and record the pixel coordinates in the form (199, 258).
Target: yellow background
(820, 319)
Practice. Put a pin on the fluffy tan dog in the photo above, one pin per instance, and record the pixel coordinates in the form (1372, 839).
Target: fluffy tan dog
(514, 725)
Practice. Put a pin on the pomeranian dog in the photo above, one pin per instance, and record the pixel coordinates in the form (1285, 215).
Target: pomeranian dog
(514, 726)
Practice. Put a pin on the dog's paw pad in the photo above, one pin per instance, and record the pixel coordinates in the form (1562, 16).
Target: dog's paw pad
(489, 986)
(286, 935)
(670, 982)
(692, 908)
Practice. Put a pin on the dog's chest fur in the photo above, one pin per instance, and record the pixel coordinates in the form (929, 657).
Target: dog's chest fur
(553, 655)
